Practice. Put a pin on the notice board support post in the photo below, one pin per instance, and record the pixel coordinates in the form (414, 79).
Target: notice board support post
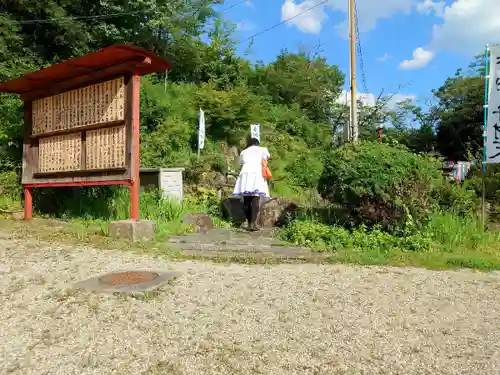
(135, 162)
(28, 204)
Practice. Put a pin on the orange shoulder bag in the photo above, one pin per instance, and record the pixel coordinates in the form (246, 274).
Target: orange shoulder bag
(266, 172)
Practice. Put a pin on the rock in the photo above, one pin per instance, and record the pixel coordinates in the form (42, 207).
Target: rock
(201, 223)
(213, 179)
(234, 152)
(232, 209)
(133, 230)
(17, 215)
(231, 179)
(275, 212)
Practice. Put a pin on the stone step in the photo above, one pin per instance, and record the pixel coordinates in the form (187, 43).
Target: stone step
(256, 255)
(235, 242)
(248, 247)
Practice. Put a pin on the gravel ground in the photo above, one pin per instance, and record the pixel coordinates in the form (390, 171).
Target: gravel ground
(242, 319)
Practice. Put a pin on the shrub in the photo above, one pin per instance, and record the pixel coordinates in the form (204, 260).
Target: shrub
(305, 171)
(10, 185)
(381, 184)
(323, 237)
(458, 200)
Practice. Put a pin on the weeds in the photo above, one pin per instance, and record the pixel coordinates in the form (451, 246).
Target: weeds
(445, 241)
(91, 210)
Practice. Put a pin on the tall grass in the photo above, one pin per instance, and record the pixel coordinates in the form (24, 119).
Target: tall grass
(445, 241)
(97, 207)
(450, 232)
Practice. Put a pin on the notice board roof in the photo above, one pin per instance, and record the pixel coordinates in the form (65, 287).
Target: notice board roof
(113, 60)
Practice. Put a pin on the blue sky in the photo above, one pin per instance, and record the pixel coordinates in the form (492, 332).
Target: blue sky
(416, 44)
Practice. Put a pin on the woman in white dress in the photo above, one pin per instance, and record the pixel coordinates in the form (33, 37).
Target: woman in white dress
(251, 184)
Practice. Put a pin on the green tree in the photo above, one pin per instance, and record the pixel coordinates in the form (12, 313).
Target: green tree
(459, 113)
(311, 83)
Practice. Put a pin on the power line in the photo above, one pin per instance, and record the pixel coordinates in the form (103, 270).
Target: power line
(132, 13)
(104, 16)
(234, 5)
(360, 49)
(284, 21)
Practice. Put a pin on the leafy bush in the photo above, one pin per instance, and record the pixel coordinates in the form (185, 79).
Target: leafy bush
(458, 200)
(491, 181)
(305, 171)
(323, 237)
(381, 184)
(10, 185)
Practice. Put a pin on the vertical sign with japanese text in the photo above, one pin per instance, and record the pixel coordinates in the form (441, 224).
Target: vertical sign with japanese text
(255, 131)
(493, 120)
(201, 131)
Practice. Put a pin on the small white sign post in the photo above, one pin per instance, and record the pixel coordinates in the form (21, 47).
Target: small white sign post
(201, 131)
(255, 131)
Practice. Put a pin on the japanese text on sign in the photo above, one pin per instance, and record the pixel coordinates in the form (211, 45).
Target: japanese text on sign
(493, 120)
(255, 131)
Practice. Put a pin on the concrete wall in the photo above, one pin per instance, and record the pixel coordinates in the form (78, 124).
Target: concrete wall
(169, 180)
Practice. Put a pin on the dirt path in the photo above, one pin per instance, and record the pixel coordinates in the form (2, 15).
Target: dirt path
(237, 319)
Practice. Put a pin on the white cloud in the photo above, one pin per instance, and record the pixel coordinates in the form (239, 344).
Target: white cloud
(245, 26)
(398, 98)
(369, 13)
(385, 57)
(369, 99)
(249, 3)
(468, 25)
(309, 22)
(421, 58)
(430, 7)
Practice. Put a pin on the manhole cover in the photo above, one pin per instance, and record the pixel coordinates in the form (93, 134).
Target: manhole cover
(128, 281)
(128, 278)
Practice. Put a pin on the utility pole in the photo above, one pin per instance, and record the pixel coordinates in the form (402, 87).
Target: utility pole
(353, 136)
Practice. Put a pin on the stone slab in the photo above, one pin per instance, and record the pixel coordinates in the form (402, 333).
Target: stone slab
(132, 230)
(95, 285)
(245, 255)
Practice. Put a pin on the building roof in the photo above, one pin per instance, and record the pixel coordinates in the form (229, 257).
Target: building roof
(124, 58)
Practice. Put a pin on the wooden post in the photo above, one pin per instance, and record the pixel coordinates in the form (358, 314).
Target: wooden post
(354, 103)
(28, 204)
(135, 184)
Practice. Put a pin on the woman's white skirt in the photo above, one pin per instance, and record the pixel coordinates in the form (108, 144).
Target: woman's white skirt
(251, 184)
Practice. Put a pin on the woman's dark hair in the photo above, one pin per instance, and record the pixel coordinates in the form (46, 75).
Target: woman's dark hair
(253, 142)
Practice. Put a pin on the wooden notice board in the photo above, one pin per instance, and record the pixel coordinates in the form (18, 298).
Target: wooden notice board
(81, 119)
(80, 135)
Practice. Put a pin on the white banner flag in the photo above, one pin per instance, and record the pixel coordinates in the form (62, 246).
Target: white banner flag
(201, 130)
(255, 131)
(493, 120)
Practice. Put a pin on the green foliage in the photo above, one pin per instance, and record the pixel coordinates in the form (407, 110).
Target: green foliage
(305, 170)
(10, 191)
(381, 184)
(459, 113)
(100, 205)
(491, 181)
(323, 237)
(309, 82)
(458, 200)
(443, 233)
(451, 232)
